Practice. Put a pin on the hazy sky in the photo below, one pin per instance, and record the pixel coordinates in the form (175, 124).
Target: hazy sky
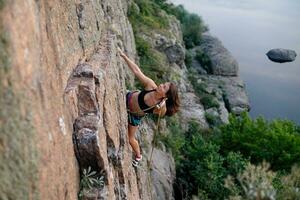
(249, 28)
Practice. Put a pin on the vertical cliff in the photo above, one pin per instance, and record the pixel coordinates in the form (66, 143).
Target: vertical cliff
(63, 89)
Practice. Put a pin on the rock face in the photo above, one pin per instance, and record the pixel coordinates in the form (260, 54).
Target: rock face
(62, 99)
(220, 81)
(192, 109)
(281, 55)
(100, 132)
(231, 91)
(222, 62)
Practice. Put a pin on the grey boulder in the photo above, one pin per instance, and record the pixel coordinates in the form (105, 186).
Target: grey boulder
(281, 55)
(222, 62)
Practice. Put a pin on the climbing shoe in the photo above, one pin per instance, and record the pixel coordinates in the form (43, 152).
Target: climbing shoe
(135, 162)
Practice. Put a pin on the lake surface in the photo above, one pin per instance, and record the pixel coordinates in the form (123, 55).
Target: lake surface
(249, 29)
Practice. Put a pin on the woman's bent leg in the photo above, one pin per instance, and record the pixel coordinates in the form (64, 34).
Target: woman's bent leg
(132, 141)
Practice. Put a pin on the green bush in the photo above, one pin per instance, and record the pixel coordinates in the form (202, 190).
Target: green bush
(192, 30)
(277, 142)
(2, 3)
(89, 180)
(212, 120)
(175, 139)
(199, 87)
(201, 169)
(145, 16)
(151, 62)
(188, 58)
(256, 183)
(192, 24)
(209, 101)
(290, 185)
(204, 60)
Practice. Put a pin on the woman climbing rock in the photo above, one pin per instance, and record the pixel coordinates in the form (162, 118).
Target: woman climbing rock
(160, 100)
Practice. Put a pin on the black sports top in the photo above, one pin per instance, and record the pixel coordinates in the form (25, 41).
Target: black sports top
(142, 103)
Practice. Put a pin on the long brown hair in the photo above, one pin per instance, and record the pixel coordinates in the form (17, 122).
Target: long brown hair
(173, 102)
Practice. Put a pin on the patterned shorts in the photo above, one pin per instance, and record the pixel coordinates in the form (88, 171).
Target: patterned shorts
(133, 120)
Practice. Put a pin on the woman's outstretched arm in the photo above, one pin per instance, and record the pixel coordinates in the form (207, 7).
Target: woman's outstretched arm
(147, 82)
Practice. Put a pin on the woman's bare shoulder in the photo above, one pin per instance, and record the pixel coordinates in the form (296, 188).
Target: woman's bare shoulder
(150, 85)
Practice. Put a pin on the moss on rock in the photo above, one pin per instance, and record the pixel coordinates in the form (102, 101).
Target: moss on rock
(2, 2)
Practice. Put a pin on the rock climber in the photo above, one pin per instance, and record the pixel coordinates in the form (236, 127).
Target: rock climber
(160, 100)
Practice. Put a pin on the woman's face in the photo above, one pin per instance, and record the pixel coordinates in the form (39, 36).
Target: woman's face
(163, 88)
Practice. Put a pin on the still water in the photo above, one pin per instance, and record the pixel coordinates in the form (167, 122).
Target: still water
(249, 29)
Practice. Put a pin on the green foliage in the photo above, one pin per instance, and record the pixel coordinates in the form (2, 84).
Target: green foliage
(89, 180)
(256, 183)
(188, 58)
(4, 57)
(209, 101)
(290, 185)
(212, 119)
(174, 138)
(146, 15)
(259, 182)
(201, 169)
(199, 86)
(277, 142)
(151, 61)
(235, 162)
(192, 30)
(2, 2)
(192, 24)
(204, 60)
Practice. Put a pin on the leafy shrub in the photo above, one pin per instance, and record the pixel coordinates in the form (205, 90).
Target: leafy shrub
(277, 142)
(151, 61)
(192, 30)
(256, 182)
(188, 58)
(192, 24)
(175, 139)
(199, 87)
(212, 119)
(209, 101)
(146, 15)
(201, 169)
(235, 162)
(204, 61)
(89, 180)
(290, 185)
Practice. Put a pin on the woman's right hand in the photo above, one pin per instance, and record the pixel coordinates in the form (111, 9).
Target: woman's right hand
(120, 52)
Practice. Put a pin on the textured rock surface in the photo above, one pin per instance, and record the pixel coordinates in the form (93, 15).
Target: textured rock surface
(46, 41)
(281, 55)
(192, 109)
(224, 83)
(222, 62)
(232, 92)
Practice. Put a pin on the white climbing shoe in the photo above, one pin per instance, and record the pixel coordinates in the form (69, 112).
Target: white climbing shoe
(135, 162)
